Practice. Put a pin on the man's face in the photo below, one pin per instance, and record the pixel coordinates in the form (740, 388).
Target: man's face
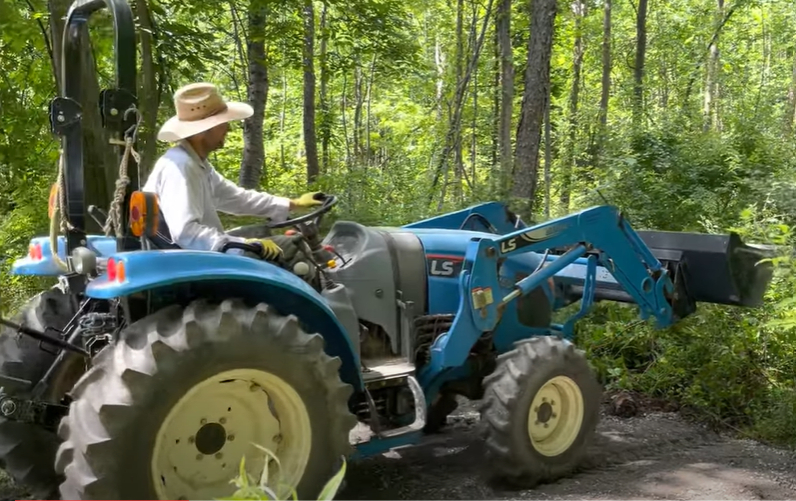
(214, 138)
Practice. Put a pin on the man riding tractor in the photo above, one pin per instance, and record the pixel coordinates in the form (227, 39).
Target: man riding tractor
(191, 191)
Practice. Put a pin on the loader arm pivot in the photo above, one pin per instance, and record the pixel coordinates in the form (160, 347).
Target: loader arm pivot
(601, 232)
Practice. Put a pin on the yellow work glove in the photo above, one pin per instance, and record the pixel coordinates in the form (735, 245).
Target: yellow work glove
(270, 250)
(306, 200)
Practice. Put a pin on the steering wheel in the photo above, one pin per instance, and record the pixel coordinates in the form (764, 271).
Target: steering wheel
(329, 201)
(262, 230)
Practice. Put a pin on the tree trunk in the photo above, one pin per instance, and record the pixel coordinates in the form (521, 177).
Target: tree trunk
(790, 111)
(439, 62)
(534, 100)
(548, 159)
(605, 90)
(309, 93)
(282, 116)
(458, 163)
(253, 161)
(326, 120)
(148, 94)
(358, 101)
(503, 28)
(577, 61)
(369, 157)
(641, 51)
(495, 175)
(474, 90)
(458, 103)
(710, 109)
(57, 9)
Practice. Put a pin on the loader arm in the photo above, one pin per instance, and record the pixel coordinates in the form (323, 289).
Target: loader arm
(602, 232)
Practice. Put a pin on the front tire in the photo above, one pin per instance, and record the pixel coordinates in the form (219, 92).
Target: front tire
(540, 411)
(169, 410)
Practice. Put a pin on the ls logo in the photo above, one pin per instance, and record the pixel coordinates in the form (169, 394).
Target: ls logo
(444, 266)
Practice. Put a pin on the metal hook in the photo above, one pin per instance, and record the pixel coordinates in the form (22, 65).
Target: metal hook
(133, 129)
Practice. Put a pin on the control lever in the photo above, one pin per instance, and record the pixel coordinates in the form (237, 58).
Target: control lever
(96, 214)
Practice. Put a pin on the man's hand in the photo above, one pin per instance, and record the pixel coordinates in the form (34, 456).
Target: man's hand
(305, 200)
(270, 250)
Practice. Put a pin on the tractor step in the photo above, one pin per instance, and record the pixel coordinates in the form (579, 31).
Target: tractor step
(378, 370)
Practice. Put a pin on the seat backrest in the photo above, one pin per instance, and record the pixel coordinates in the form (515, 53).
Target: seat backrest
(146, 220)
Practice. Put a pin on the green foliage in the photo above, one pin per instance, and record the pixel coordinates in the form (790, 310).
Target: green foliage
(732, 367)
(249, 489)
(389, 90)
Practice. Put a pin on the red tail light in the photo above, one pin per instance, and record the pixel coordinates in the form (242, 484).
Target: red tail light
(35, 252)
(111, 270)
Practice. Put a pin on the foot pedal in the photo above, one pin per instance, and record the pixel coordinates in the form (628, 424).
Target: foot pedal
(13, 385)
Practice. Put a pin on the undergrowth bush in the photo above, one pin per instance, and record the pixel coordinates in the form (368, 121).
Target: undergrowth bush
(732, 366)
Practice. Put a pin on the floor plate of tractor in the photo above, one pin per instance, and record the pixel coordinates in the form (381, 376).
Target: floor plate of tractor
(386, 368)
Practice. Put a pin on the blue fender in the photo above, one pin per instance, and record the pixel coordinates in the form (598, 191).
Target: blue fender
(47, 267)
(146, 270)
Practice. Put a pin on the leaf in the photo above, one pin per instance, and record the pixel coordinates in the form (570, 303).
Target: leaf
(331, 487)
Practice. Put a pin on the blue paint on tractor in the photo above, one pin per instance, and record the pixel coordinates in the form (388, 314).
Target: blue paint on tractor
(46, 266)
(490, 217)
(157, 269)
(479, 262)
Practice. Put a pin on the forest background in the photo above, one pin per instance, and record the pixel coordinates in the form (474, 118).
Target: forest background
(681, 113)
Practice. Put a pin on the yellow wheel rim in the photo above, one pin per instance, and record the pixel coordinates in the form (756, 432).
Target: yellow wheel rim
(555, 416)
(200, 444)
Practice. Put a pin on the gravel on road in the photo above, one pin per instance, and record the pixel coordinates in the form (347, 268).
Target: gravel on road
(658, 455)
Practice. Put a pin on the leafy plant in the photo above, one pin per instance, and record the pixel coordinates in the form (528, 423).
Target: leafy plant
(248, 489)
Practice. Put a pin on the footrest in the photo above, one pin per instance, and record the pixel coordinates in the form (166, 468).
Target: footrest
(13, 385)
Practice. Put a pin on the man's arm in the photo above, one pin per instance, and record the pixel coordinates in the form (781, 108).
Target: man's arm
(233, 199)
(181, 205)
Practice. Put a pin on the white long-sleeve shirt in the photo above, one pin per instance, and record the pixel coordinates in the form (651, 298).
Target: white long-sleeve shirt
(191, 193)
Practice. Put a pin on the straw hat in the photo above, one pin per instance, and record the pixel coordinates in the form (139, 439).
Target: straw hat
(200, 107)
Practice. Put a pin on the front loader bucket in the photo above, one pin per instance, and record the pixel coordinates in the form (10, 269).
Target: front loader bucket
(719, 269)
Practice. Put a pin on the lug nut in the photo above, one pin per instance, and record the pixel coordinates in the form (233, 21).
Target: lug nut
(222, 420)
(231, 438)
(203, 421)
(199, 457)
(219, 455)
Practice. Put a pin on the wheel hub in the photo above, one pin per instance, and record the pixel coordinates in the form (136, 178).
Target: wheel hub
(555, 416)
(200, 444)
(210, 438)
(545, 412)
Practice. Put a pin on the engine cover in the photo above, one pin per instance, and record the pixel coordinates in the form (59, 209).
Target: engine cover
(382, 269)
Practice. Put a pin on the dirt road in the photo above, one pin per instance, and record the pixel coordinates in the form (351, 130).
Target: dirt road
(656, 456)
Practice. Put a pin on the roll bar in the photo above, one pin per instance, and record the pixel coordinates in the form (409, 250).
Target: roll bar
(66, 111)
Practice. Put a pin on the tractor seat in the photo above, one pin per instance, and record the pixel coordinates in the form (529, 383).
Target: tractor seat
(147, 220)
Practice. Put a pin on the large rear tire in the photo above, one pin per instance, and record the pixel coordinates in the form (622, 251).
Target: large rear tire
(540, 411)
(169, 410)
(27, 451)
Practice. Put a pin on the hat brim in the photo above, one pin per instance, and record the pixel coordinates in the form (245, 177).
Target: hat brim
(175, 129)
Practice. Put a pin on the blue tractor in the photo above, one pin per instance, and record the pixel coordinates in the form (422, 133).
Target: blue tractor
(149, 371)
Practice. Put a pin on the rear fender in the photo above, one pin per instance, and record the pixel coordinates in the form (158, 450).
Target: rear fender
(41, 263)
(490, 217)
(161, 269)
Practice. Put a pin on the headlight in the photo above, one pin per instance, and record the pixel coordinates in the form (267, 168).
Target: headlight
(84, 261)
